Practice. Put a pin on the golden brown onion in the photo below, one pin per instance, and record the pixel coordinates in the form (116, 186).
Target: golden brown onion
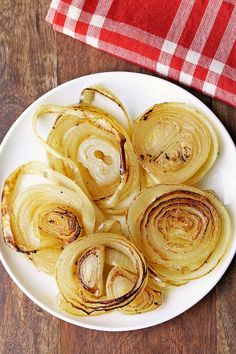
(81, 274)
(182, 231)
(99, 96)
(91, 147)
(175, 143)
(45, 215)
(90, 270)
(120, 281)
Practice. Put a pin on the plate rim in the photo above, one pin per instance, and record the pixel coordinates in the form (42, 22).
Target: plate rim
(4, 262)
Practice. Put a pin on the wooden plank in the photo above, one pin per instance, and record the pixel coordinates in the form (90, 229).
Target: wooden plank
(194, 331)
(227, 115)
(226, 289)
(225, 312)
(27, 70)
(24, 327)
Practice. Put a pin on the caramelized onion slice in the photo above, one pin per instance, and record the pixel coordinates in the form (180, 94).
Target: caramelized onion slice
(116, 258)
(48, 214)
(90, 270)
(91, 147)
(120, 281)
(182, 231)
(113, 106)
(175, 143)
(78, 300)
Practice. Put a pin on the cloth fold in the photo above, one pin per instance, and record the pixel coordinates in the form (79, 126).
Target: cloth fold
(190, 41)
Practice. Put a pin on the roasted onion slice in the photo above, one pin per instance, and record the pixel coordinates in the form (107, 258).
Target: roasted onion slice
(90, 269)
(120, 281)
(175, 143)
(44, 215)
(182, 231)
(100, 96)
(91, 147)
(81, 274)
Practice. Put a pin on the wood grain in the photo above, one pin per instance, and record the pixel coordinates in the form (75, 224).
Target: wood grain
(33, 59)
(185, 334)
(227, 115)
(225, 312)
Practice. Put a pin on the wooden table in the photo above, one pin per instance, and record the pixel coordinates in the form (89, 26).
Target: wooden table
(33, 60)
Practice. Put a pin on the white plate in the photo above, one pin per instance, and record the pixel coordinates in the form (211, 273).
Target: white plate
(137, 92)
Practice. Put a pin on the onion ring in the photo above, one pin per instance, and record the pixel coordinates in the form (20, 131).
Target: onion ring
(91, 147)
(183, 232)
(80, 271)
(175, 143)
(45, 216)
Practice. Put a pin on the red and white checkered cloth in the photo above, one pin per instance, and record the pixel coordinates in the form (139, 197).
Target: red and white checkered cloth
(191, 41)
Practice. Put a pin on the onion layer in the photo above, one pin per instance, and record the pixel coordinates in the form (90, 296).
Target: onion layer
(91, 147)
(120, 281)
(182, 231)
(175, 143)
(47, 215)
(82, 287)
(46, 259)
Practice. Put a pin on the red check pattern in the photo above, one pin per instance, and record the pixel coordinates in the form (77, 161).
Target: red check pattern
(190, 41)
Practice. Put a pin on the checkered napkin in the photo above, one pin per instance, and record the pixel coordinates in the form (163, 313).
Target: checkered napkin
(191, 41)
